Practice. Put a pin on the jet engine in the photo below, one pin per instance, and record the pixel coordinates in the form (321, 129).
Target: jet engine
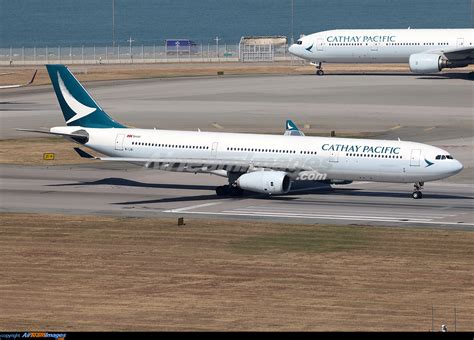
(430, 63)
(265, 182)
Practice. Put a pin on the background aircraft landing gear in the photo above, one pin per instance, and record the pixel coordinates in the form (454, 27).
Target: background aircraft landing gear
(417, 190)
(319, 69)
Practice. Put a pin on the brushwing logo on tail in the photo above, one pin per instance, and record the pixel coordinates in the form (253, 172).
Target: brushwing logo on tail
(79, 109)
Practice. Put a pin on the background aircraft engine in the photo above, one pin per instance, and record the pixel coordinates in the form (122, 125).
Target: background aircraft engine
(427, 63)
(265, 182)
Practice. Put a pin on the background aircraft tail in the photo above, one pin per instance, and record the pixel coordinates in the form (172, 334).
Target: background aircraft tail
(291, 129)
(79, 108)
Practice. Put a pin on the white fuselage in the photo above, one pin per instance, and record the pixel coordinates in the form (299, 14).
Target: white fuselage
(337, 158)
(378, 46)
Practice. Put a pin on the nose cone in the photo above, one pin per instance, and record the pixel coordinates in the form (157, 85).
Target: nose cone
(457, 167)
(292, 49)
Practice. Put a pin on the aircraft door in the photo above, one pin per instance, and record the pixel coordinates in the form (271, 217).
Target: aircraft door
(334, 157)
(214, 149)
(374, 51)
(415, 157)
(119, 141)
(319, 44)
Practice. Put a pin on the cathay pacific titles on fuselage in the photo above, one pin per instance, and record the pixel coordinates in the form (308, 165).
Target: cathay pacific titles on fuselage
(395, 150)
(425, 50)
(360, 38)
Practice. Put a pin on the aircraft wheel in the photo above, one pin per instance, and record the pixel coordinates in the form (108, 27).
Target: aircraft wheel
(417, 195)
(221, 190)
(320, 72)
(236, 192)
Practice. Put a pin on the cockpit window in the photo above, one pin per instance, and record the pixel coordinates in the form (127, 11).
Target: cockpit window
(444, 157)
(299, 42)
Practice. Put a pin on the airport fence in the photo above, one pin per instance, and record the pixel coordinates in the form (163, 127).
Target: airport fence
(126, 54)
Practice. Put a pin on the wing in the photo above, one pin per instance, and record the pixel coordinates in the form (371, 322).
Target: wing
(208, 165)
(457, 54)
(460, 54)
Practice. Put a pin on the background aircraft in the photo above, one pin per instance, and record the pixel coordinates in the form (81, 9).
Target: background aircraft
(426, 50)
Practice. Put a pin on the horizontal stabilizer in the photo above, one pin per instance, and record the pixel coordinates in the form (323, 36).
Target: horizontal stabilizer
(81, 138)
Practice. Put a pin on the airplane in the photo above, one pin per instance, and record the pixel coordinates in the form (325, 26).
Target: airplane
(259, 163)
(425, 50)
(18, 85)
(291, 129)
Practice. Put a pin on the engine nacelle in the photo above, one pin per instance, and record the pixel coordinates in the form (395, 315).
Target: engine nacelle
(431, 63)
(265, 182)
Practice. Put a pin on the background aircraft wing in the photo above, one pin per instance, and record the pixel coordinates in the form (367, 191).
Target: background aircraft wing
(20, 85)
(460, 54)
(456, 53)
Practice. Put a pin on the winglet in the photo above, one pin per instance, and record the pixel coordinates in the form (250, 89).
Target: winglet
(33, 78)
(84, 154)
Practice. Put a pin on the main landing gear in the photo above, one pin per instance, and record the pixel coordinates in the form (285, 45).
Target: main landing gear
(229, 190)
(417, 190)
(319, 69)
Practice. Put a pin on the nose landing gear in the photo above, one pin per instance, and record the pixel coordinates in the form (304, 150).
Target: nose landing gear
(319, 69)
(418, 186)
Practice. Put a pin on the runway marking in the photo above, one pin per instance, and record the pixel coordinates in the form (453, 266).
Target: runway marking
(192, 207)
(394, 218)
(426, 215)
(329, 218)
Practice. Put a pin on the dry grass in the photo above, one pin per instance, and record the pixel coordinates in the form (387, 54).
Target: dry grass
(29, 151)
(111, 273)
(85, 73)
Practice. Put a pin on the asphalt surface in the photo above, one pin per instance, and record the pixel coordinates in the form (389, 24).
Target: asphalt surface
(432, 109)
(109, 190)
